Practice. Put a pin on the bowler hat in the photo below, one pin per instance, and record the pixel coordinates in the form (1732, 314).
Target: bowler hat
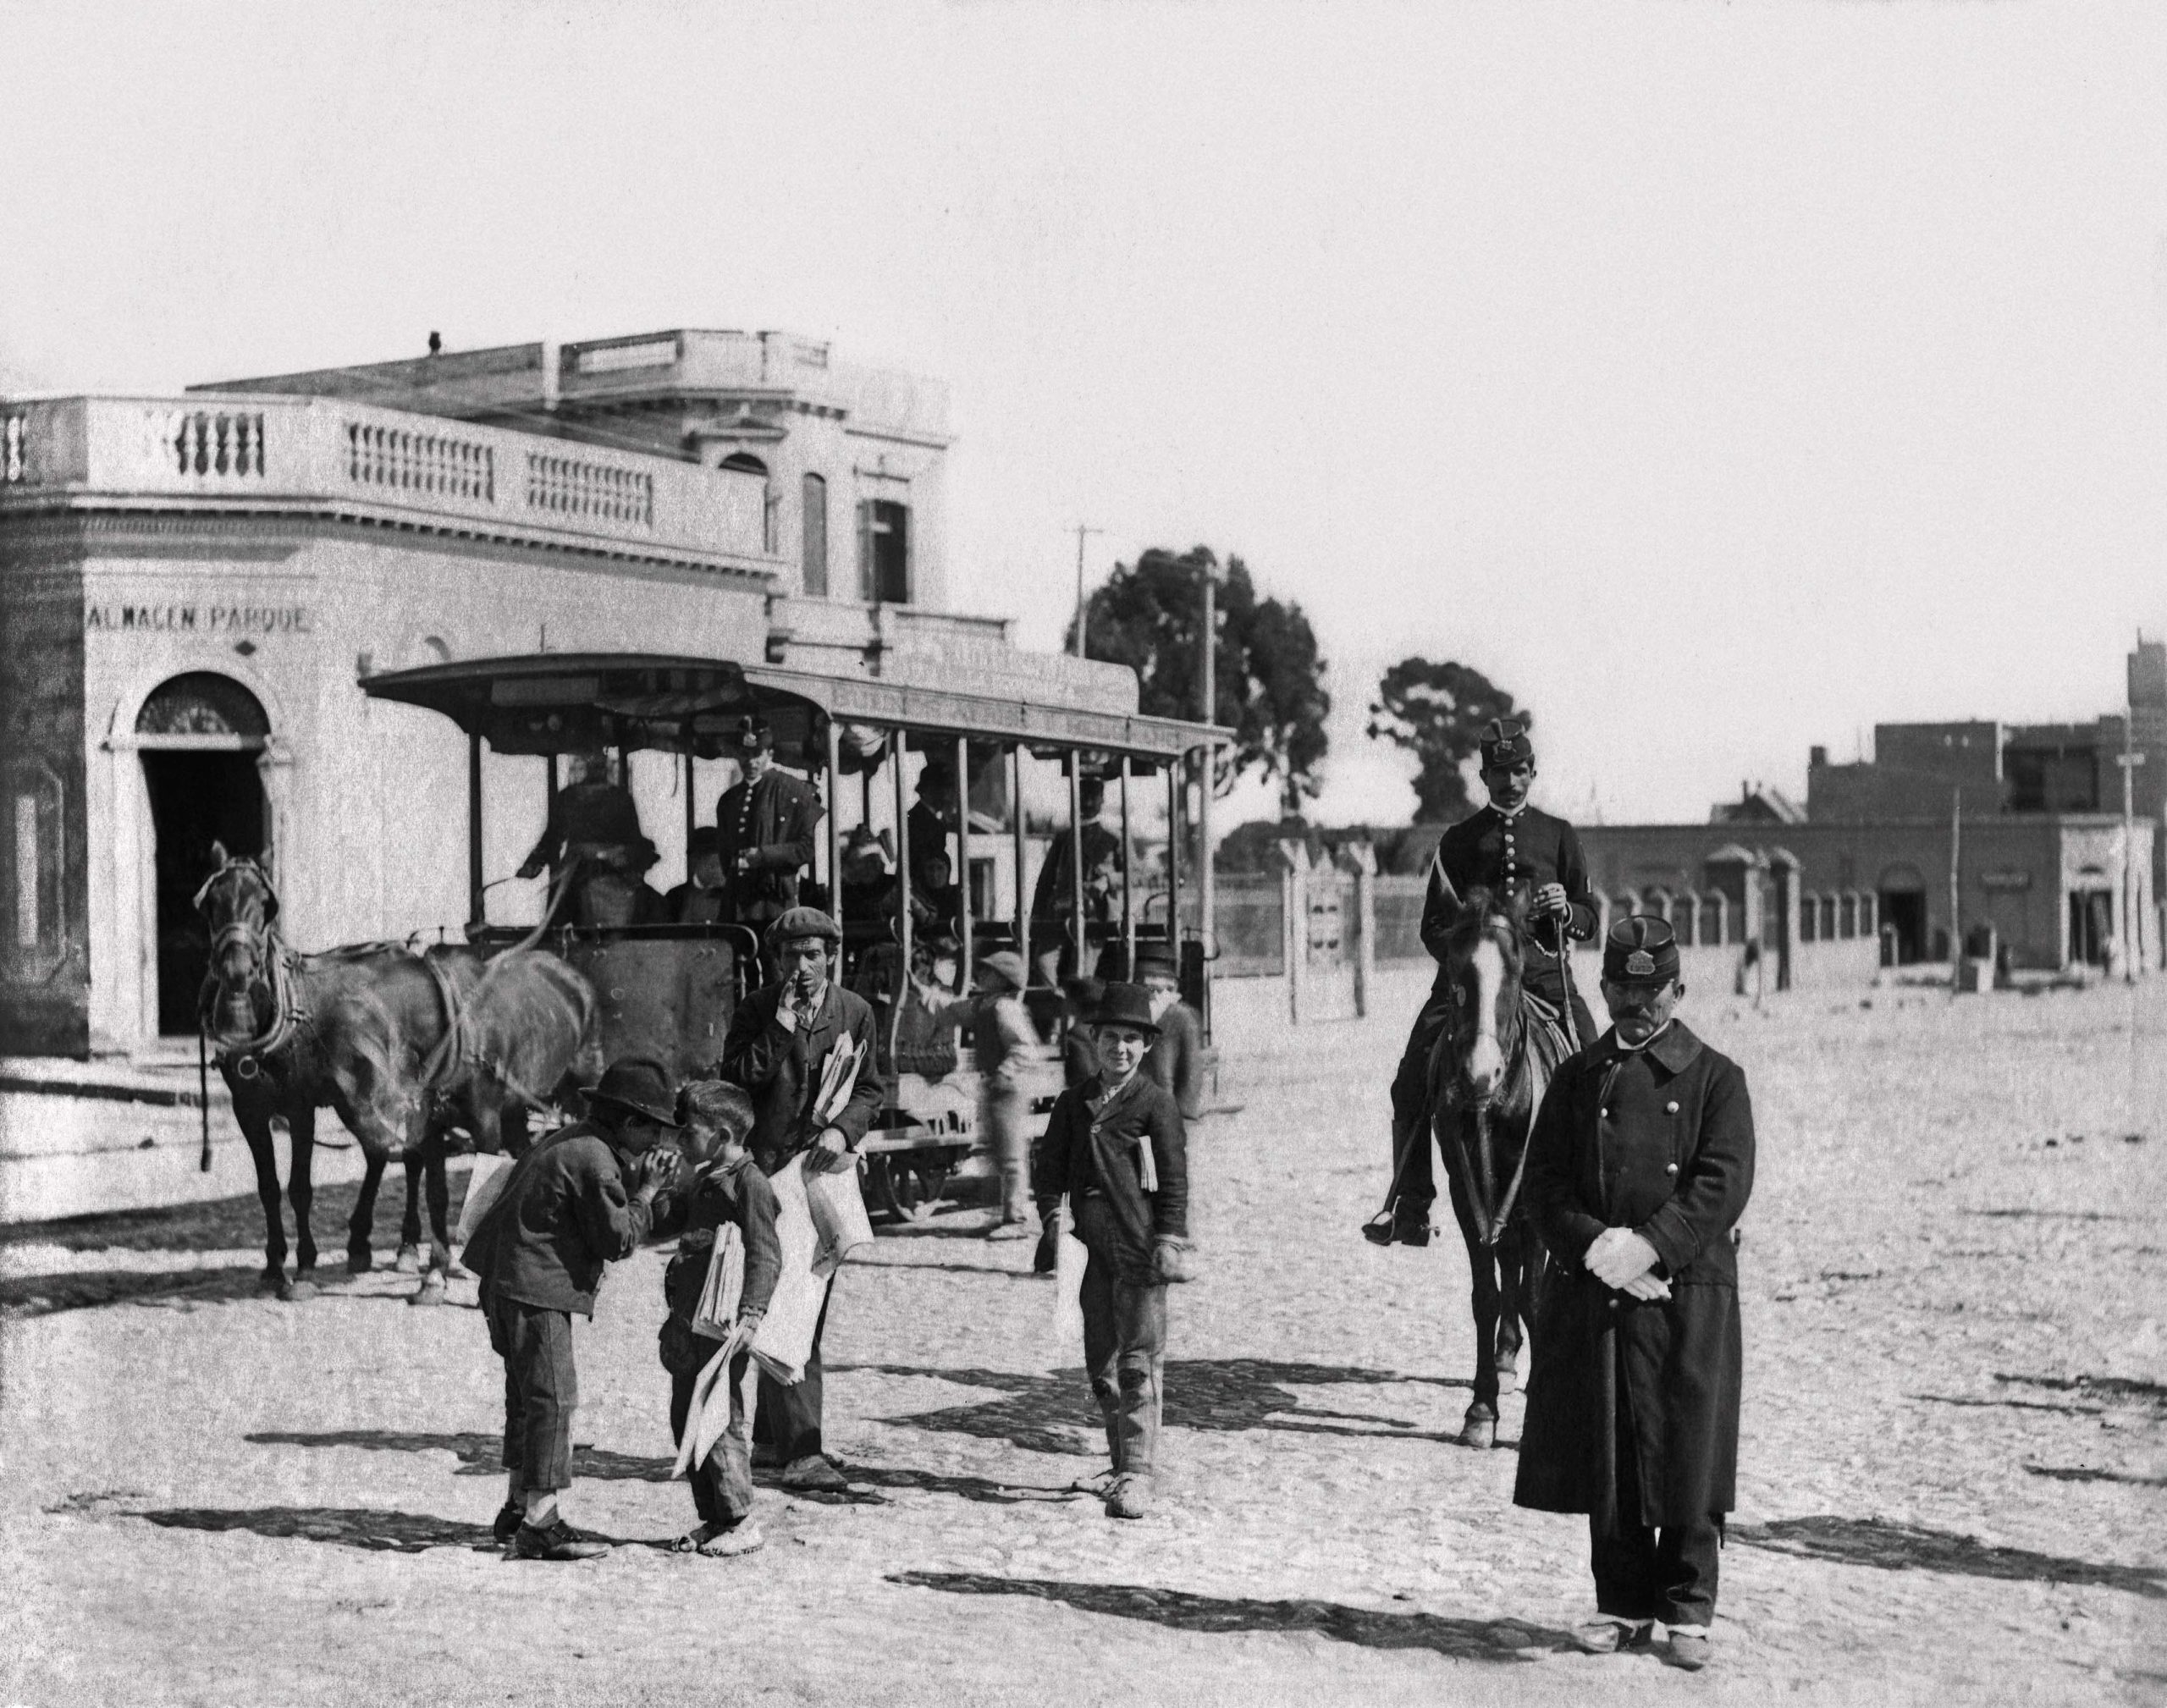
(1129, 1006)
(1008, 964)
(1640, 950)
(637, 1085)
(803, 921)
(1505, 742)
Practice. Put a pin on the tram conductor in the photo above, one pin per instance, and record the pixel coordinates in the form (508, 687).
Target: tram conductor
(766, 824)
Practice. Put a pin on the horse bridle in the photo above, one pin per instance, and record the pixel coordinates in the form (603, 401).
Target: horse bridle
(274, 968)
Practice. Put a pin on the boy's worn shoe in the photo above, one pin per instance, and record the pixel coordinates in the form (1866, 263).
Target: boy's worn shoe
(557, 1541)
(1098, 1482)
(1610, 1636)
(744, 1537)
(815, 1472)
(509, 1516)
(1129, 1496)
(1689, 1647)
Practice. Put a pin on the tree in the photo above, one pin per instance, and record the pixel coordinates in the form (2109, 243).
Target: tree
(1268, 679)
(1437, 712)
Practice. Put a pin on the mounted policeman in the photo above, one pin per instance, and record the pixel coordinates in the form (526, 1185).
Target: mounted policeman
(1525, 859)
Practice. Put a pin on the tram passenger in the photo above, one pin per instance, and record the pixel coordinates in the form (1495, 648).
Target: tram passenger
(723, 1190)
(583, 1197)
(924, 1036)
(1054, 933)
(776, 1049)
(933, 815)
(767, 824)
(1116, 1146)
(704, 898)
(936, 901)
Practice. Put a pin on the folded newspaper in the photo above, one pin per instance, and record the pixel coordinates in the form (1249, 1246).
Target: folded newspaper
(716, 1314)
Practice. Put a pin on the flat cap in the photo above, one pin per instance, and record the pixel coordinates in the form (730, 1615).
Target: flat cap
(803, 921)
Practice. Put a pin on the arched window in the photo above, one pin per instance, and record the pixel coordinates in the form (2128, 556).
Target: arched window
(203, 704)
(745, 463)
(815, 532)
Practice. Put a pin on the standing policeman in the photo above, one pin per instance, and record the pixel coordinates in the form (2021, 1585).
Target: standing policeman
(1515, 851)
(1638, 1170)
(767, 824)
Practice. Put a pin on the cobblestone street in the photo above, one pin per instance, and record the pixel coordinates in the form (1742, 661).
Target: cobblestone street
(1954, 1463)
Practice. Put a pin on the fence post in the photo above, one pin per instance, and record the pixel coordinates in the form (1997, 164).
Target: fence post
(1361, 859)
(1294, 922)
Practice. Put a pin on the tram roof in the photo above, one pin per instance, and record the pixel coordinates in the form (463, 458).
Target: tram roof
(556, 702)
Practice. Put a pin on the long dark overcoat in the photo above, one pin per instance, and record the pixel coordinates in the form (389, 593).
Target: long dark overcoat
(1660, 1141)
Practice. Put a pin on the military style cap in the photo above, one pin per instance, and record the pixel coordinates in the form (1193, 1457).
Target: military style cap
(803, 921)
(1640, 950)
(752, 736)
(1505, 742)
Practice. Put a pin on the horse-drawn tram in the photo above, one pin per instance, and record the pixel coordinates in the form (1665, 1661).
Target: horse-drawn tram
(915, 920)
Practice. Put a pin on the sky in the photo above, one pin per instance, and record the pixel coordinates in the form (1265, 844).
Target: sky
(1719, 379)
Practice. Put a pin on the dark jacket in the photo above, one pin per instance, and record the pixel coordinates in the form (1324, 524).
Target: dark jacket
(1053, 898)
(1660, 1141)
(781, 1069)
(1176, 1061)
(687, 904)
(736, 1196)
(1092, 1141)
(563, 1214)
(587, 815)
(773, 821)
(1510, 856)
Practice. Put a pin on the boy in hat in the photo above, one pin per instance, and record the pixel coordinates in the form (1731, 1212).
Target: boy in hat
(1004, 1044)
(776, 1051)
(583, 1197)
(704, 898)
(1175, 1060)
(1116, 1146)
(724, 1190)
(1518, 854)
(1638, 1167)
(767, 824)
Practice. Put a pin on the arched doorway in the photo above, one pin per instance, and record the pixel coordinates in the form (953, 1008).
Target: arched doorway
(199, 736)
(1903, 894)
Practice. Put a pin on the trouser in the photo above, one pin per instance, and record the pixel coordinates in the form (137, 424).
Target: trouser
(1124, 1342)
(722, 1483)
(788, 1418)
(541, 1389)
(1646, 1571)
(1413, 1179)
(1002, 1110)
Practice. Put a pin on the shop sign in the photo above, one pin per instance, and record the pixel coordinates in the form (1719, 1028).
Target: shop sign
(2006, 877)
(218, 620)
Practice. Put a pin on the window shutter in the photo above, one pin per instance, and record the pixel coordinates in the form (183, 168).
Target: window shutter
(866, 590)
(909, 545)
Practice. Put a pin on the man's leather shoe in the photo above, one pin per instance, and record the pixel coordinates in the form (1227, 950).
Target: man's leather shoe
(557, 1541)
(766, 1457)
(1609, 1636)
(1130, 1497)
(815, 1472)
(1689, 1647)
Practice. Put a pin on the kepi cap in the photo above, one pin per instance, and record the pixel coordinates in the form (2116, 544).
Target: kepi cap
(1640, 950)
(1505, 742)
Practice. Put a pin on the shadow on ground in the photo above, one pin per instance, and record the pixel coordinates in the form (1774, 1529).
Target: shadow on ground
(478, 1455)
(350, 1527)
(41, 1295)
(1911, 1548)
(228, 1224)
(2093, 1474)
(1462, 1639)
(1044, 1413)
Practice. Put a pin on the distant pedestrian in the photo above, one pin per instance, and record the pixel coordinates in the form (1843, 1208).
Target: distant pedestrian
(1004, 1044)
(1115, 1146)
(583, 1197)
(725, 1191)
(1638, 1170)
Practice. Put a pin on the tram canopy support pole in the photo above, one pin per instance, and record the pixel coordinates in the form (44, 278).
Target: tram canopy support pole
(1016, 817)
(1075, 858)
(1128, 883)
(963, 858)
(1174, 768)
(902, 868)
(474, 829)
(691, 805)
(835, 838)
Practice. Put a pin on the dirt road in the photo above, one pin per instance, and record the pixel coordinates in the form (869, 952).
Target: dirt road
(1954, 1453)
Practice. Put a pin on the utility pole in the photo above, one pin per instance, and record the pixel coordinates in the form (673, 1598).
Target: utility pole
(2129, 761)
(1208, 891)
(1955, 894)
(1081, 608)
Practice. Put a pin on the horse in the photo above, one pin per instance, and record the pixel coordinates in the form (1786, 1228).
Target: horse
(1488, 1072)
(400, 1046)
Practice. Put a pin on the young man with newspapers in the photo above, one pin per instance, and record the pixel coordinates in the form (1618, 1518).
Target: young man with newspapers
(802, 1050)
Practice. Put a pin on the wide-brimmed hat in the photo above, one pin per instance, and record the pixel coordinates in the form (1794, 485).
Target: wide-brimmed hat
(1126, 1005)
(637, 1085)
(803, 921)
(1640, 950)
(1008, 964)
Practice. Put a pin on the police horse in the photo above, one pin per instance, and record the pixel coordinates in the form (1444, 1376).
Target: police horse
(1488, 1072)
(401, 1046)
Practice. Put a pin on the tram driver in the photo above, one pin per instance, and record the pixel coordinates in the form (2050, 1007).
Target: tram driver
(1055, 934)
(595, 851)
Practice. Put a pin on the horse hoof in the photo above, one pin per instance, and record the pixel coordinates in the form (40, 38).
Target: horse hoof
(1479, 1428)
(360, 1260)
(409, 1260)
(272, 1280)
(430, 1293)
(296, 1291)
